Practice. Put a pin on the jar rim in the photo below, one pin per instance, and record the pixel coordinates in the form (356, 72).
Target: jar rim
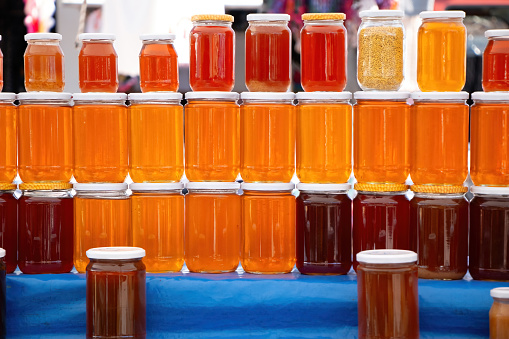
(116, 253)
(386, 257)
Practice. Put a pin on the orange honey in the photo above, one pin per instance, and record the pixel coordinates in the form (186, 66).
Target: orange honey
(267, 137)
(8, 137)
(324, 137)
(45, 131)
(157, 212)
(98, 69)
(381, 137)
(100, 137)
(212, 232)
(158, 63)
(156, 119)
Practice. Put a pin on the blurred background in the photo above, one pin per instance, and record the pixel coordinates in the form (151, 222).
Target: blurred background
(127, 19)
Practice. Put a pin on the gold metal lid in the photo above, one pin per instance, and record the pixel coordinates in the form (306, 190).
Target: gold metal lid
(212, 17)
(45, 186)
(438, 189)
(323, 16)
(380, 187)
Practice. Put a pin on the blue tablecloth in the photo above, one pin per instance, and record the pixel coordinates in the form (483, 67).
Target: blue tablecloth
(243, 305)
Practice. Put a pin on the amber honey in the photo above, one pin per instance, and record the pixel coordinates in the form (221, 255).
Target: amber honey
(499, 313)
(158, 63)
(267, 137)
(98, 69)
(8, 137)
(157, 212)
(324, 137)
(381, 137)
(156, 119)
(439, 138)
(45, 131)
(100, 137)
(212, 127)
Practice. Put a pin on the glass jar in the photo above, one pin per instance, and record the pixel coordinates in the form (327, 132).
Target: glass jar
(212, 53)
(489, 236)
(324, 229)
(212, 136)
(324, 137)
(158, 63)
(489, 128)
(157, 212)
(388, 299)
(8, 137)
(3, 291)
(381, 137)
(441, 51)
(98, 63)
(156, 137)
(439, 216)
(46, 227)
(116, 293)
(499, 313)
(268, 53)
(495, 68)
(212, 232)
(100, 137)
(9, 226)
(381, 218)
(268, 228)
(439, 138)
(45, 131)
(267, 137)
(44, 63)
(380, 50)
(102, 217)
(323, 60)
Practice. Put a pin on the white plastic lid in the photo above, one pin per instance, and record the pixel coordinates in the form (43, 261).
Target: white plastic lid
(386, 257)
(380, 95)
(268, 17)
(96, 96)
(500, 292)
(164, 36)
(489, 190)
(43, 36)
(323, 95)
(2, 253)
(442, 14)
(153, 186)
(155, 96)
(267, 95)
(7, 95)
(323, 187)
(381, 13)
(44, 96)
(212, 185)
(496, 33)
(96, 36)
(490, 96)
(267, 186)
(212, 95)
(113, 253)
(100, 187)
(439, 95)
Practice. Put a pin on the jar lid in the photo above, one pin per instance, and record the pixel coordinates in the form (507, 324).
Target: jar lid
(8, 95)
(268, 17)
(164, 36)
(96, 96)
(267, 95)
(500, 292)
(4, 186)
(490, 96)
(323, 16)
(155, 96)
(491, 33)
(381, 95)
(96, 36)
(446, 189)
(156, 186)
(323, 95)
(381, 13)
(43, 36)
(212, 185)
(323, 187)
(489, 190)
(439, 95)
(100, 187)
(441, 14)
(212, 95)
(386, 257)
(380, 187)
(45, 186)
(267, 186)
(44, 96)
(212, 17)
(113, 253)
(2, 253)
